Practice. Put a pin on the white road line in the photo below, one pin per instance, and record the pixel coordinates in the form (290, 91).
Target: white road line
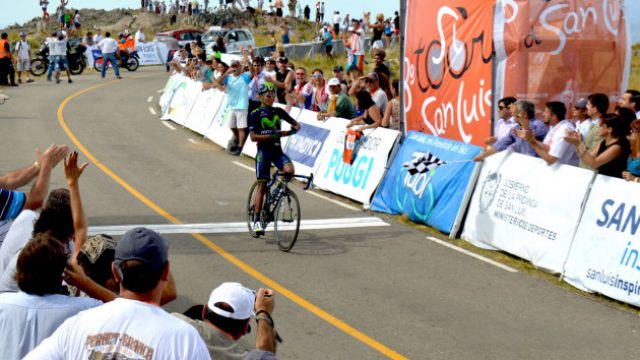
(192, 141)
(150, 99)
(244, 166)
(239, 227)
(153, 112)
(346, 206)
(166, 123)
(467, 252)
(160, 91)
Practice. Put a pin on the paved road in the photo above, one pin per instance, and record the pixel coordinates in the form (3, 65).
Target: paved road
(354, 293)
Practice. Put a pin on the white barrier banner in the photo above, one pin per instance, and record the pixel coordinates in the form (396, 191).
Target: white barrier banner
(149, 54)
(219, 131)
(204, 110)
(359, 180)
(175, 82)
(183, 101)
(305, 147)
(605, 254)
(525, 207)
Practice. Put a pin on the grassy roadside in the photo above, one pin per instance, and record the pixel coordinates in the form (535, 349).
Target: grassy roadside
(517, 263)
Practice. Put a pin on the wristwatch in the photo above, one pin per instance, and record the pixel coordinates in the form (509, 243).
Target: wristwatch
(263, 315)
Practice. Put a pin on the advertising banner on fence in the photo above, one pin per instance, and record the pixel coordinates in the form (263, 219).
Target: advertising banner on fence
(360, 179)
(305, 147)
(176, 82)
(204, 110)
(149, 53)
(428, 194)
(447, 67)
(525, 207)
(183, 100)
(587, 41)
(604, 257)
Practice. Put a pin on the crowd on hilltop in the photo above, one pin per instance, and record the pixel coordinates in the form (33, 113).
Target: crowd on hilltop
(369, 99)
(65, 295)
(588, 135)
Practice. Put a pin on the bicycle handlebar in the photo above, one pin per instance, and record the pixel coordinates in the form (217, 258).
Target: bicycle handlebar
(308, 178)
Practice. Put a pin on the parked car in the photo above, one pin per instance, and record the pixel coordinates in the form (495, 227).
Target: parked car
(183, 36)
(233, 38)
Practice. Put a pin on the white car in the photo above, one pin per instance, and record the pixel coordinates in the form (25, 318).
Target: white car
(233, 39)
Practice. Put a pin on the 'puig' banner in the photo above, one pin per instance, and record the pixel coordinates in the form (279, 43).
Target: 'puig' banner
(448, 68)
(431, 197)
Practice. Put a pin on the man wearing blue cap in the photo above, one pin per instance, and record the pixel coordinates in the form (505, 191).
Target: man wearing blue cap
(132, 326)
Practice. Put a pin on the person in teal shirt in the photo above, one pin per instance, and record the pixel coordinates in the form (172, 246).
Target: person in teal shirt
(339, 103)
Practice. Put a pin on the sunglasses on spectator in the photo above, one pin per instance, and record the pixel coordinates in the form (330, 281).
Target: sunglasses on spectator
(500, 107)
(300, 74)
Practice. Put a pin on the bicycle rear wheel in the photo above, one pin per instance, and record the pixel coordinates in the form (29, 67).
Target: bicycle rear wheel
(287, 221)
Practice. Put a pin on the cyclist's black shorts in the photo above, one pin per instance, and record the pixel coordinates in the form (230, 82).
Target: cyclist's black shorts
(264, 159)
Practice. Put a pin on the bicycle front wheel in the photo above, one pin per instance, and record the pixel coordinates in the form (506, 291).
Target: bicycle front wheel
(251, 210)
(287, 221)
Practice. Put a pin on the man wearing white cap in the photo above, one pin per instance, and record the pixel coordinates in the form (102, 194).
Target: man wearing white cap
(226, 317)
(22, 50)
(339, 103)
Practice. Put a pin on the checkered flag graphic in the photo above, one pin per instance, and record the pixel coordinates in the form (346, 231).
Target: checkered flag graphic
(422, 163)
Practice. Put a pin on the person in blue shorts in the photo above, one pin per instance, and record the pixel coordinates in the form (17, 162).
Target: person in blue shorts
(264, 129)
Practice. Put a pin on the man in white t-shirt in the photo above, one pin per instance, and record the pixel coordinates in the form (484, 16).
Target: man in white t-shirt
(336, 22)
(31, 315)
(581, 120)
(22, 50)
(58, 56)
(109, 49)
(98, 36)
(139, 37)
(554, 148)
(134, 325)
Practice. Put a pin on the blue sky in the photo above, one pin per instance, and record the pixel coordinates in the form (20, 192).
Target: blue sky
(23, 10)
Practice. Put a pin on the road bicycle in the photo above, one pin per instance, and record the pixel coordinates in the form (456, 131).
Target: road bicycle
(280, 206)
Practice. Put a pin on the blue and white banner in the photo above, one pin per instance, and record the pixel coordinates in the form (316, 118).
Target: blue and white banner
(430, 197)
(304, 148)
(605, 255)
(359, 180)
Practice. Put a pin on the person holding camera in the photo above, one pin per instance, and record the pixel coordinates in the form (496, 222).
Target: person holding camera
(226, 318)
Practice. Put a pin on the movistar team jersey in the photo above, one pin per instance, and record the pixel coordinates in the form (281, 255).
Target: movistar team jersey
(266, 121)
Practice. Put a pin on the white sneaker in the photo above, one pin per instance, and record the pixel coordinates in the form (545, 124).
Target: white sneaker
(257, 228)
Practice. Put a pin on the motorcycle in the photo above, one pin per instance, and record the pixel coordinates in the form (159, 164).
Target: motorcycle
(75, 58)
(129, 61)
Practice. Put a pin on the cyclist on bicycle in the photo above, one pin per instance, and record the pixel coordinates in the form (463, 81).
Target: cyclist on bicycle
(264, 129)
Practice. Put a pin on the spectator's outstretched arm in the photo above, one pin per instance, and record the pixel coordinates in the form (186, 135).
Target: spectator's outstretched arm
(80, 224)
(20, 177)
(266, 337)
(51, 157)
(75, 276)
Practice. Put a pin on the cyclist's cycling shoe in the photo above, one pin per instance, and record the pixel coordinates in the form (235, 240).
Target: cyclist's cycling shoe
(257, 227)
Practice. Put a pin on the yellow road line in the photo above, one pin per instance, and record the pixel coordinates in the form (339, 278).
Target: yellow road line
(270, 283)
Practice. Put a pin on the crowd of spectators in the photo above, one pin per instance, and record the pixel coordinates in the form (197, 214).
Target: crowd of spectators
(66, 296)
(590, 136)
